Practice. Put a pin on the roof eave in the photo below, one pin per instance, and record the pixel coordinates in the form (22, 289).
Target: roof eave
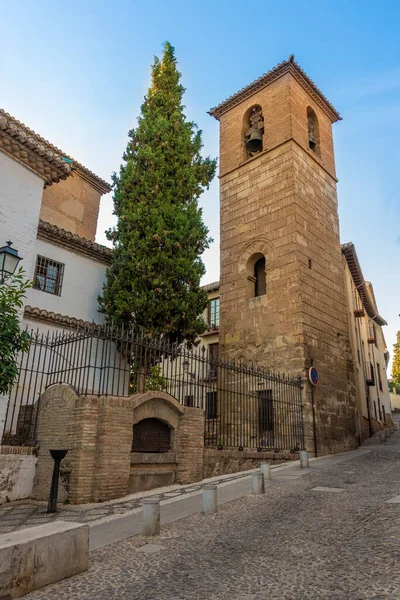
(350, 254)
(287, 66)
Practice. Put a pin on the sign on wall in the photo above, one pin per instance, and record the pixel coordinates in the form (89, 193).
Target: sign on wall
(313, 376)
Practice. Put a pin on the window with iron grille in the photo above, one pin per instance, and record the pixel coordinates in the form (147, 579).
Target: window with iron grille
(213, 312)
(48, 275)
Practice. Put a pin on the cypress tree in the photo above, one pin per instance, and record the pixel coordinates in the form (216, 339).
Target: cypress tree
(154, 279)
(396, 360)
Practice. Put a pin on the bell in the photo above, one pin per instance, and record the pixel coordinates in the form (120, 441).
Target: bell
(311, 142)
(254, 142)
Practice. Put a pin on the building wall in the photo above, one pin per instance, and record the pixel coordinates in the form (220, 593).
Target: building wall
(82, 283)
(369, 398)
(282, 203)
(72, 204)
(20, 198)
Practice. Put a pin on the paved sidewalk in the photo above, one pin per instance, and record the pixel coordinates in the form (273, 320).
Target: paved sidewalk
(327, 534)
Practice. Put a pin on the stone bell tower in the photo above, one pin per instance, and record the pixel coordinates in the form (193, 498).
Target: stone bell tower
(282, 292)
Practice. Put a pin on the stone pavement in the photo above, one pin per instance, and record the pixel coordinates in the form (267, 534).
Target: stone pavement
(28, 513)
(329, 534)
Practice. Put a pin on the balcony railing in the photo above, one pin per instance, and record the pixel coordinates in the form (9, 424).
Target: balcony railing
(358, 305)
(371, 333)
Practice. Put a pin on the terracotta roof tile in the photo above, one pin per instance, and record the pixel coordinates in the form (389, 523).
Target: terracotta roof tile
(44, 148)
(25, 146)
(74, 242)
(40, 314)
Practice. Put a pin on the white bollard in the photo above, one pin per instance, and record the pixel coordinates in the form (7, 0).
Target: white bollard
(257, 483)
(304, 460)
(151, 516)
(383, 435)
(266, 470)
(209, 499)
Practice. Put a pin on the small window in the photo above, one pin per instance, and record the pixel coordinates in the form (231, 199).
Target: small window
(213, 313)
(260, 285)
(211, 405)
(48, 275)
(309, 263)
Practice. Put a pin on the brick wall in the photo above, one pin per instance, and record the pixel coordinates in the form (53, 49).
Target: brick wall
(190, 446)
(98, 433)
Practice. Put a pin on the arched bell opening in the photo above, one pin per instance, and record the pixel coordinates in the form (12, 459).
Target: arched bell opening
(253, 130)
(151, 435)
(313, 131)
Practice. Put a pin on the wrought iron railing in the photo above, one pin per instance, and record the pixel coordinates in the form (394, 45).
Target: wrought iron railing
(245, 406)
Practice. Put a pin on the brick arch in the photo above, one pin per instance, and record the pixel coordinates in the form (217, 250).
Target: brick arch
(157, 405)
(259, 245)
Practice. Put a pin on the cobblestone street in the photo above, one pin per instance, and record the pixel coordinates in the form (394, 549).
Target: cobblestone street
(293, 543)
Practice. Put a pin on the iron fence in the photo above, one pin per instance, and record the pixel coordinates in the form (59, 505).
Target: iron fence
(245, 406)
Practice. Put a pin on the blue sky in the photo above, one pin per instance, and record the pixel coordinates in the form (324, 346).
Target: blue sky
(76, 72)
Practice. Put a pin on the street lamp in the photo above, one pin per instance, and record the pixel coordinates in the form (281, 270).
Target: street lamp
(9, 260)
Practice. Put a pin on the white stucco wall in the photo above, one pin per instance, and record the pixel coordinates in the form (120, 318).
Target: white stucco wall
(20, 200)
(17, 472)
(82, 283)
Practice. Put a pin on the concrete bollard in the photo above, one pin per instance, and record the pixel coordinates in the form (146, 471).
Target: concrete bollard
(388, 433)
(383, 435)
(304, 460)
(257, 483)
(209, 499)
(151, 516)
(266, 470)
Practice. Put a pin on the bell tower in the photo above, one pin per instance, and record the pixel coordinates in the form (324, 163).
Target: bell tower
(282, 292)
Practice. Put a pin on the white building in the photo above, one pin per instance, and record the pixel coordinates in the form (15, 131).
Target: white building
(49, 207)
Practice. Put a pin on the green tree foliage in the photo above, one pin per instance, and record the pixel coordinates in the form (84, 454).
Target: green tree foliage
(13, 339)
(396, 360)
(154, 279)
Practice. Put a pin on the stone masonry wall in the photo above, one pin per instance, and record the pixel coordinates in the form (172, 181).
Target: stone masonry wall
(72, 204)
(282, 203)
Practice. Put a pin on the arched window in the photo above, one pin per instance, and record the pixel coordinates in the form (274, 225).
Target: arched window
(260, 284)
(253, 130)
(313, 131)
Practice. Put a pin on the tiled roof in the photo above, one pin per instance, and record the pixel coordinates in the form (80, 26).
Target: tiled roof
(364, 287)
(40, 314)
(33, 151)
(45, 149)
(74, 242)
(211, 287)
(287, 66)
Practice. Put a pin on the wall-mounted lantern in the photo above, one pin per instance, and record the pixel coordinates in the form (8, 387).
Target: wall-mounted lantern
(9, 260)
